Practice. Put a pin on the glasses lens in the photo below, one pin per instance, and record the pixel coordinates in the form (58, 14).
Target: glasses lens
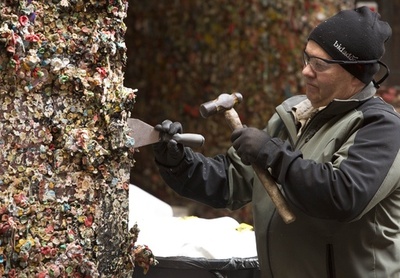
(306, 59)
(317, 64)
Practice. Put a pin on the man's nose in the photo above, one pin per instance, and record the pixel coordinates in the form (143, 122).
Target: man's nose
(308, 71)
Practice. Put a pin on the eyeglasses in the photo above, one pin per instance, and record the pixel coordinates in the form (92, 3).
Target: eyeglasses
(320, 64)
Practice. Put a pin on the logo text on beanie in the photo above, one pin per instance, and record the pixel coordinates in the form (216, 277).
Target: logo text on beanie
(343, 50)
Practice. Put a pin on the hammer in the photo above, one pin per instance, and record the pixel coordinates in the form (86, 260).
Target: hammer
(225, 103)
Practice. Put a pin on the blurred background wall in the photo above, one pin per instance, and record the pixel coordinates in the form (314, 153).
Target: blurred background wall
(183, 53)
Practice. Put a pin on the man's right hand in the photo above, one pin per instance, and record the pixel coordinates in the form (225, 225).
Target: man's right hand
(168, 153)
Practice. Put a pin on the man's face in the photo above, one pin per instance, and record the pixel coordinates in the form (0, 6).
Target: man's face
(327, 83)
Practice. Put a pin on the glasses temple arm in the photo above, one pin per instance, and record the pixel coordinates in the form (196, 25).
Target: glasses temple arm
(378, 83)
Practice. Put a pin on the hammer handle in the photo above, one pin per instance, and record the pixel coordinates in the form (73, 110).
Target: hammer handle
(268, 182)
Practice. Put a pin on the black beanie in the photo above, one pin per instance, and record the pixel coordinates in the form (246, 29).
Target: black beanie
(354, 35)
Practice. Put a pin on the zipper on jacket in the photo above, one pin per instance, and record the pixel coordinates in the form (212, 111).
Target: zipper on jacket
(330, 261)
(309, 131)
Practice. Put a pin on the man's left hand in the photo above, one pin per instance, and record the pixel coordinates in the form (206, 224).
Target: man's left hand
(248, 143)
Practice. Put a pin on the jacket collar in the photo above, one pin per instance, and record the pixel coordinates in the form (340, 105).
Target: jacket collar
(336, 106)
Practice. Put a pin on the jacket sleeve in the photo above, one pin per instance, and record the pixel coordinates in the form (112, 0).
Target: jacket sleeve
(210, 180)
(359, 175)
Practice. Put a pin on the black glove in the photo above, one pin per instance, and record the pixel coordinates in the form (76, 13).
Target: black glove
(168, 153)
(248, 143)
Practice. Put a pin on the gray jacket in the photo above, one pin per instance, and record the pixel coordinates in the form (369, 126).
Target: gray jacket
(341, 178)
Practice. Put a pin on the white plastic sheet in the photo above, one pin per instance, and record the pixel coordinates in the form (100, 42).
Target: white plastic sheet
(194, 237)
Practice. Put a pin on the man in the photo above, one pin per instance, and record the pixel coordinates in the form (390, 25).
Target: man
(334, 153)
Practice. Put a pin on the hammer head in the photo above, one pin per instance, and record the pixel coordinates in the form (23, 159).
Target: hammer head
(223, 103)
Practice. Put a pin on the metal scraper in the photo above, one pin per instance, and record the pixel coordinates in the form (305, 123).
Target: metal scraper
(145, 134)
